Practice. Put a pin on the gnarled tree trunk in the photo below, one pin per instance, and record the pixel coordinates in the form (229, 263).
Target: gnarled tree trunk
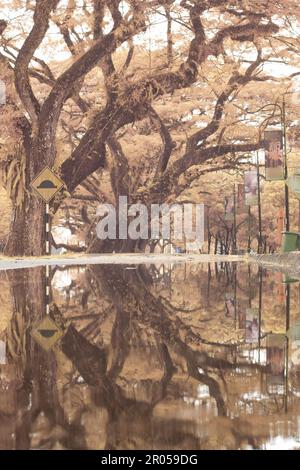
(27, 229)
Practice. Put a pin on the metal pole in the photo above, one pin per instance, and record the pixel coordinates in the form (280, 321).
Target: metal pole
(249, 229)
(48, 252)
(287, 327)
(286, 190)
(47, 290)
(249, 285)
(208, 229)
(235, 291)
(47, 222)
(259, 206)
(234, 220)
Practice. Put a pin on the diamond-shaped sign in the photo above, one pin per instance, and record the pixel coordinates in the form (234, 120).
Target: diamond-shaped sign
(46, 333)
(47, 184)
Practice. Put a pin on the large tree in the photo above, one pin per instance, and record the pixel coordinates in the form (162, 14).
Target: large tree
(216, 55)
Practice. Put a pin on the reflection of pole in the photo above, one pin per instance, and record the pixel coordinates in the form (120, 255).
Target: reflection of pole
(47, 290)
(286, 189)
(235, 288)
(234, 221)
(287, 327)
(249, 285)
(259, 206)
(208, 229)
(259, 310)
(249, 229)
(286, 376)
(170, 283)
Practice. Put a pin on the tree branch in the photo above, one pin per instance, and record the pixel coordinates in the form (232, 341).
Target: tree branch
(135, 101)
(53, 104)
(166, 138)
(22, 82)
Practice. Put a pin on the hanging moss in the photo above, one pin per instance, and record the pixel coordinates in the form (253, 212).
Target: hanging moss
(13, 176)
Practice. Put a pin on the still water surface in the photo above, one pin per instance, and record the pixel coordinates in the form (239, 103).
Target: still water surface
(149, 357)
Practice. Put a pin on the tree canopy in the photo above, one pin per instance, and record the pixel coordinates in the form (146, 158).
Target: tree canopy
(146, 96)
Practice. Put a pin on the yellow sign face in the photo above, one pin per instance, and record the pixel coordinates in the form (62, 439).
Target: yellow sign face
(47, 184)
(46, 333)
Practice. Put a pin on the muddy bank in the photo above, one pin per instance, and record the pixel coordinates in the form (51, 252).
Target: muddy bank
(288, 263)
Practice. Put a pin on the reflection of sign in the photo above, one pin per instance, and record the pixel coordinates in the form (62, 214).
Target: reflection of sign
(229, 305)
(274, 155)
(251, 188)
(289, 280)
(47, 184)
(276, 359)
(252, 325)
(242, 309)
(293, 183)
(47, 333)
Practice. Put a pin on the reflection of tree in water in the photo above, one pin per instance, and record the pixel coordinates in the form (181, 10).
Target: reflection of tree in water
(106, 395)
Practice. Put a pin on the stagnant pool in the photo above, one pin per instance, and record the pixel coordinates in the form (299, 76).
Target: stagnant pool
(189, 356)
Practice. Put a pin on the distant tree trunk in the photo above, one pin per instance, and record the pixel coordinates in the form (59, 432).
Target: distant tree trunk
(227, 242)
(264, 244)
(216, 245)
(209, 238)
